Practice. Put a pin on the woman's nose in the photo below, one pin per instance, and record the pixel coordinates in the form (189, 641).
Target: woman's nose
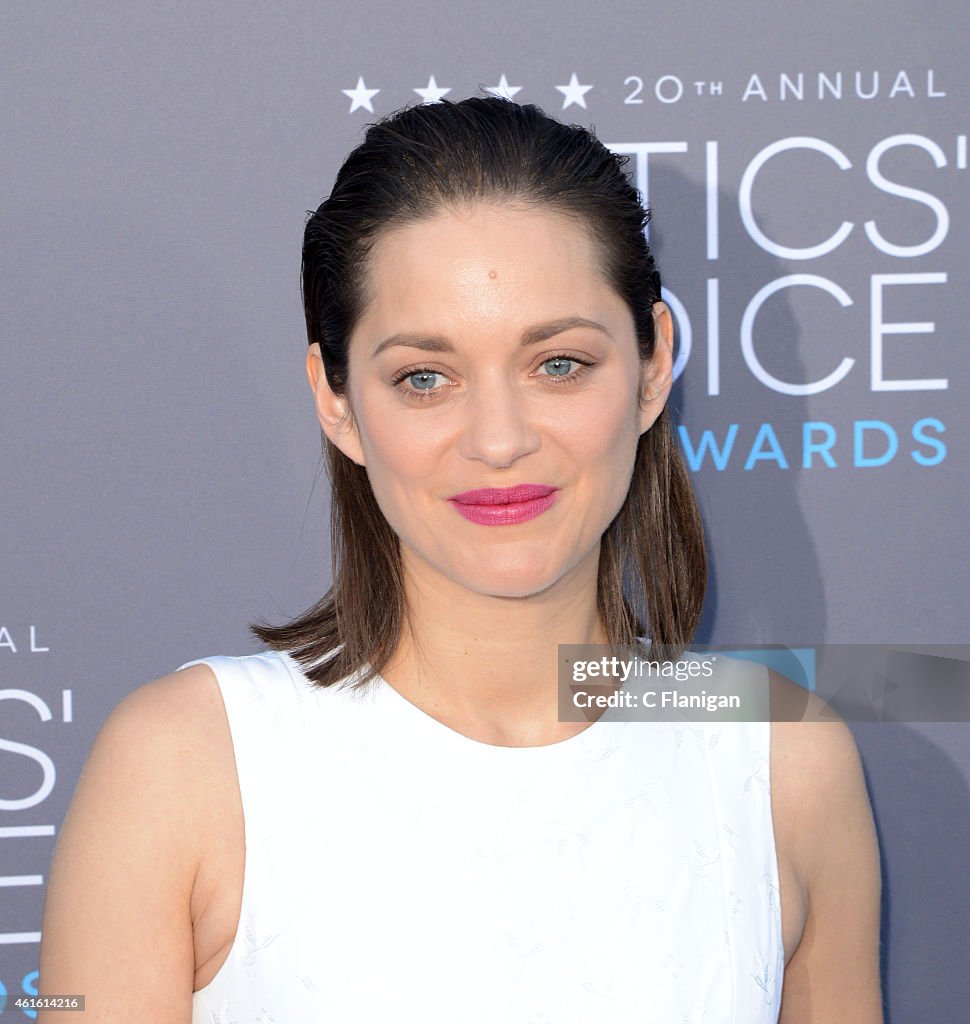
(499, 427)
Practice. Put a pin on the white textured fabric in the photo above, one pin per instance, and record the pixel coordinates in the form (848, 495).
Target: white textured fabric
(397, 870)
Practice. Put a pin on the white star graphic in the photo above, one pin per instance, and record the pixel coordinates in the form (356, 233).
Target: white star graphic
(360, 96)
(503, 90)
(432, 92)
(574, 93)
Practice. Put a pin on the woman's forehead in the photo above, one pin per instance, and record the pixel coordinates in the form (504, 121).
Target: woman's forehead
(485, 227)
(486, 263)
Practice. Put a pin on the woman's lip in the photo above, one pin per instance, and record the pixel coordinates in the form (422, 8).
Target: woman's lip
(503, 495)
(504, 506)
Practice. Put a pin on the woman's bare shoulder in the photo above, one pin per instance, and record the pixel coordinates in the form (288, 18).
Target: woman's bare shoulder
(117, 922)
(173, 727)
(177, 709)
(816, 771)
(813, 746)
(158, 740)
(825, 827)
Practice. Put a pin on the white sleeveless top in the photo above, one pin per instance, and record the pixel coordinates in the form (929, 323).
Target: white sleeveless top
(397, 870)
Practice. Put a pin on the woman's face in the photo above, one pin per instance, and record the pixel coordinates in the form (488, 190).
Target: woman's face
(493, 356)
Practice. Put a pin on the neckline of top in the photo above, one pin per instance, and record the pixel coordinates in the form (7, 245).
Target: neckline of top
(380, 690)
(433, 726)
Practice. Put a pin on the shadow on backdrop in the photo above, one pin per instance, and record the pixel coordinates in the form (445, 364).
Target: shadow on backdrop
(759, 540)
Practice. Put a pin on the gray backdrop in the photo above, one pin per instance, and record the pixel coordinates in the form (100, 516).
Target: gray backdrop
(161, 482)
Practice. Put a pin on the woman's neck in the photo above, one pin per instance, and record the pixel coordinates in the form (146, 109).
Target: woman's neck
(487, 666)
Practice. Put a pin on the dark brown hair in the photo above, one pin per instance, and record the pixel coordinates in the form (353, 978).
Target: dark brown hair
(652, 569)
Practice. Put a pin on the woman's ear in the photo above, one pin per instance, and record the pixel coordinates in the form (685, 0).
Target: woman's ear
(657, 374)
(333, 411)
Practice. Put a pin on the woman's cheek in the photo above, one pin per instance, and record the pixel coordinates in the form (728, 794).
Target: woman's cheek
(602, 430)
(400, 467)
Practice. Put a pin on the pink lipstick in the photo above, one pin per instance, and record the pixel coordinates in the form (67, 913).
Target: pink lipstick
(503, 506)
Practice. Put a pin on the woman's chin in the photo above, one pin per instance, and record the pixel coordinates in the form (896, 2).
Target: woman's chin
(513, 581)
(521, 572)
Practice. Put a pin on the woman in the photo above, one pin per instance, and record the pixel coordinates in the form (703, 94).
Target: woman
(382, 816)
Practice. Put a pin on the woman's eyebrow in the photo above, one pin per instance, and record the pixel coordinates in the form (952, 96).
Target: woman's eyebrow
(542, 332)
(530, 336)
(432, 343)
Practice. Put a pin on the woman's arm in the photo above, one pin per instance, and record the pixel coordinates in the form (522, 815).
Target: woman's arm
(117, 924)
(833, 975)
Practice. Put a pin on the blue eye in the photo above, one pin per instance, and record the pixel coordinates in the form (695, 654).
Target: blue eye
(559, 366)
(423, 380)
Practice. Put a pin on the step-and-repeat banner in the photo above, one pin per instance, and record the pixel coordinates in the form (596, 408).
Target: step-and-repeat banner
(161, 483)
